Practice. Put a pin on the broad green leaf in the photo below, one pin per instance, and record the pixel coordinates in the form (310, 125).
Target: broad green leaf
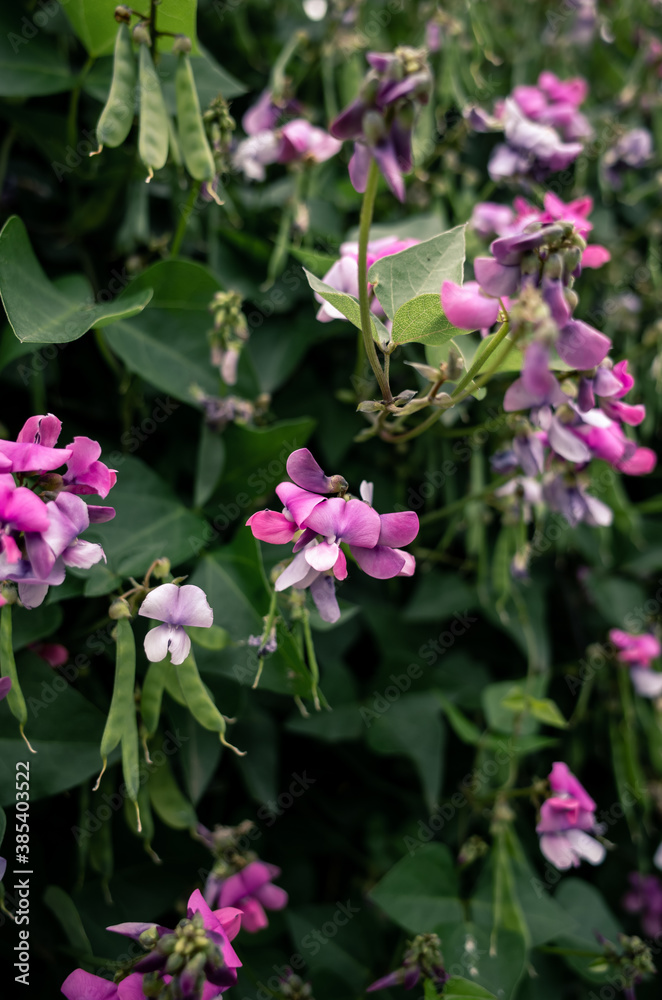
(413, 727)
(587, 909)
(65, 912)
(31, 64)
(496, 963)
(209, 465)
(466, 730)
(422, 321)
(420, 891)
(343, 723)
(39, 312)
(167, 345)
(502, 717)
(150, 522)
(96, 27)
(459, 989)
(420, 269)
(31, 626)
(65, 730)
(257, 734)
(349, 306)
(199, 754)
(255, 462)
(333, 960)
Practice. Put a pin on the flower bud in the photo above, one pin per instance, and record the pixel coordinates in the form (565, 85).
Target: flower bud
(374, 126)
(123, 14)
(166, 944)
(161, 568)
(337, 484)
(553, 266)
(182, 43)
(119, 609)
(141, 34)
(149, 937)
(176, 962)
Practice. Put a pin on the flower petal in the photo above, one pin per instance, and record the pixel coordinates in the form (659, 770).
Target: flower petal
(270, 526)
(581, 346)
(381, 562)
(323, 556)
(192, 608)
(81, 985)
(400, 528)
(324, 595)
(466, 307)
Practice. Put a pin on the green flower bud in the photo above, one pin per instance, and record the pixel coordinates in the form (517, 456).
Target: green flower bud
(182, 43)
(119, 609)
(141, 34)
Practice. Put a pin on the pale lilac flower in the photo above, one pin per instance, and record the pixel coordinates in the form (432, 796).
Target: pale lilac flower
(344, 273)
(250, 890)
(252, 155)
(176, 607)
(266, 112)
(567, 819)
(570, 498)
(631, 151)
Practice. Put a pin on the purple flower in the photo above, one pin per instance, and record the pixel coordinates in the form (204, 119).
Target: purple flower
(422, 960)
(381, 119)
(645, 897)
(344, 273)
(305, 471)
(249, 890)
(569, 498)
(20, 510)
(85, 474)
(252, 155)
(637, 652)
(264, 114)
(176, 607)
(536, 386)
(566, 820)
(68, 517)
(467, 306)
(631, 151)
(5, 687)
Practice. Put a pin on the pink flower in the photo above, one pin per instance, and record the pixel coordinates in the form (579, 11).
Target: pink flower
(566, 820)
(250, 890)
(344, 273)
(638, 652)
(53, 653)
(5, 687)
(176, 607)
(303, 141)
(85, 474)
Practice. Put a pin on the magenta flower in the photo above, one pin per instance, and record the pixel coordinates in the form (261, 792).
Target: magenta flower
(208, 967)
(638, 652)
(265, 113)
(5, 687)
(52, 653)
(68, 517)
(251, 891)
(303, 141)
(85, 474)
(20, 510)
(305, 471)
(467, 306)
(175, 607)
(566, 820)
(422, 960)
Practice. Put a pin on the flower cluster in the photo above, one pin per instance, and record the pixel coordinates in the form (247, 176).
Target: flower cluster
(344, 274)
(422, 960)
(321, 524)
(239, 879)
(543, 128)
(529, 281)
(296, 140)
(637, 652)
(194, 960)
(567, 819)
(42, 513)
(381, 118)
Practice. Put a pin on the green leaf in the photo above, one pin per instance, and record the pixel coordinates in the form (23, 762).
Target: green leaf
(413, 727)
(466, 730)
(501, 716)
(420, 891)
(200, 752)
(31, 626)
(458, 988)
(420, 269)
(167, 345)
(93, 22)
(150, 522)
(170, 805)
(38, 312)
(422, 321)
(66, 738)
(31, 64)
(64, 909)
(343, 723)
(213, 637)
(209, 465)
(587, 909)
(349, 306)
(255, 461)
(257, 734)
(547, 711)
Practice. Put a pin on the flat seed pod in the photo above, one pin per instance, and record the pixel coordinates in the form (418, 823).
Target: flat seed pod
(193, 139)
(117, 116)
(153, 136)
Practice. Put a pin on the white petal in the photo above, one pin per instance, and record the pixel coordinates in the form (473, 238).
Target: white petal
(193, 608)
(179, 645)
(156, 643)
(586, 846)
(647, 682)
(293, 573)
(160, 603)
(556, 849)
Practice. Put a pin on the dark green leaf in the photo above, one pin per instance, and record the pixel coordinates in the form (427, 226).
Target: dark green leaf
(420, 269)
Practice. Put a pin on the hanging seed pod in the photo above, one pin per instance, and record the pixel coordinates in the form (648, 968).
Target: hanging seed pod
(117, 116)
(153, 136)
(193, 138)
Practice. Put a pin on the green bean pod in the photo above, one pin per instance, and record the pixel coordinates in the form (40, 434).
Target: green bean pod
(193, 138)
(117, 116)
(151, 697)
(15, 698)
(122, 704)
(153, 134)
(131, 760)
(198, 699)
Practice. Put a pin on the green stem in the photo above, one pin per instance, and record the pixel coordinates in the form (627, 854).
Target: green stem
(312, 659)
(185, 216)
(436, 515)
(278, 72)
(415, 431)
(479, 364)
(366, 324)
(153, 4)
(72, 116)
(271, 615)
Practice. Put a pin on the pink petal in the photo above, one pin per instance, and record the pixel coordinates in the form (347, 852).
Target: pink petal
(299, 502)
(557, 849)
(83, 554)
(595, 256)
(640, 464)
(273, 897)
(581, 346)
(131, 988)
(229, 917)
(306, 472)
(254, 918)
(561, 779)
(495, 278)
(44, 430)
(270, 526)
(466, 307)
(398, 529)
(323, 556)
(380, 562)
(81, 985)
(340, 566)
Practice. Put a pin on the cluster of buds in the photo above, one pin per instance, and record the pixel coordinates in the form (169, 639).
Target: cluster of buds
(380, 120)
(422, 960)
(629, 965)
(220, 126)
(221, 410)
(229, 334)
